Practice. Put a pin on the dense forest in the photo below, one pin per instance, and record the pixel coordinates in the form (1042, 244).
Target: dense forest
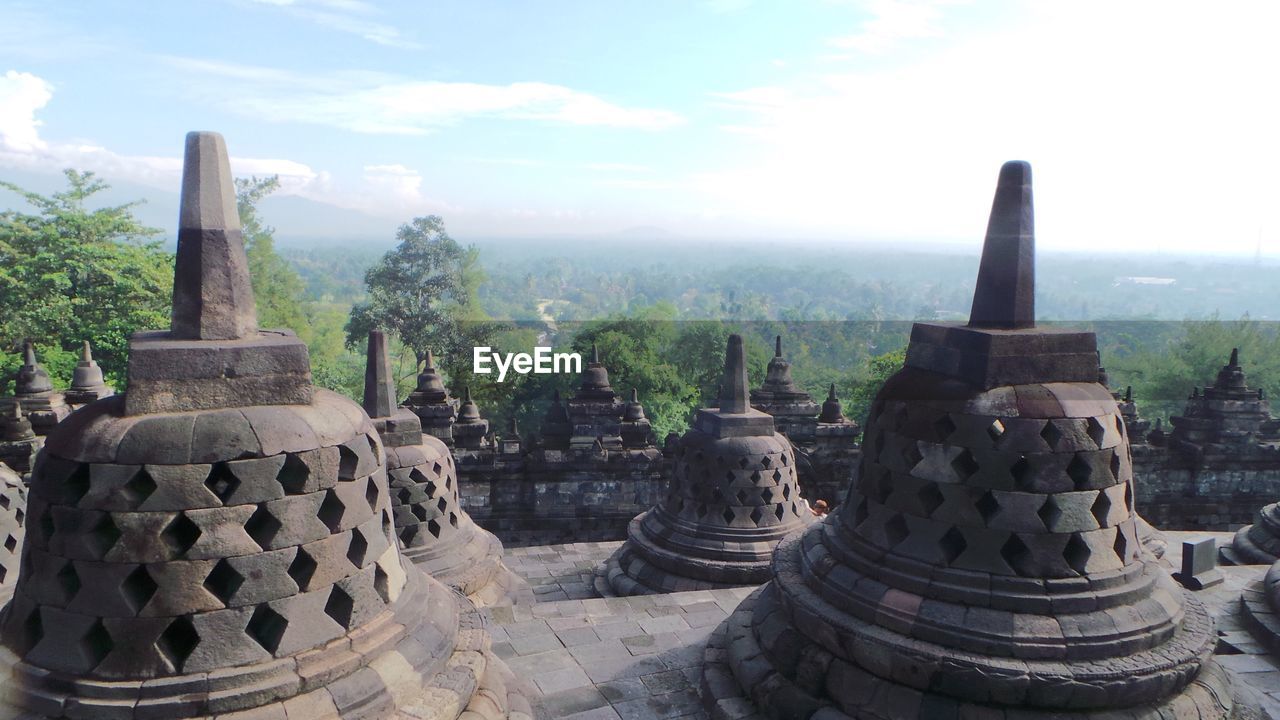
(657, 307)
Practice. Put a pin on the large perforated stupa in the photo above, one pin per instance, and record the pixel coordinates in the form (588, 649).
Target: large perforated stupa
(219, 541)
(987, 562)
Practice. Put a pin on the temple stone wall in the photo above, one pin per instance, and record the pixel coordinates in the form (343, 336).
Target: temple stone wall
(1221, 492)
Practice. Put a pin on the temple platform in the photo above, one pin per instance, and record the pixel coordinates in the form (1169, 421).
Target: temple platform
(640, 658)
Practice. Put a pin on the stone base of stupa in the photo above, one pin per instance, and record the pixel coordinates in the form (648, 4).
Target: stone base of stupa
(428, 658)
(1256, 544)
(471, 563)
(770, 659)
(661, 555)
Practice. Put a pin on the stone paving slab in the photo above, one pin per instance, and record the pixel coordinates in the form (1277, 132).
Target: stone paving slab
(639, 658)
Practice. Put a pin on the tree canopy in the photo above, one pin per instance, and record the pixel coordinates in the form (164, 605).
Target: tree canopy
(69, 274)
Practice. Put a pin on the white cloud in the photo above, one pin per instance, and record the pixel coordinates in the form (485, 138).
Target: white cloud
(384, 104)
(617, 167)
(892, 21)
(1152, 129)
(21, 95)
(349, 16)
(402, 183)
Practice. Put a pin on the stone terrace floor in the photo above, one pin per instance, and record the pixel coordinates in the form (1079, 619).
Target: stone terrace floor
(640, 658)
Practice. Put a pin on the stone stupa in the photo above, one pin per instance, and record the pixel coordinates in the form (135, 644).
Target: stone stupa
(218, 542)
(434, 531)
(792, 408)
(87, 383)
(731, 497)
(13, 515)
(430, 401)
(19, 443)
(33, 391)
(595, 411)
(986, 564)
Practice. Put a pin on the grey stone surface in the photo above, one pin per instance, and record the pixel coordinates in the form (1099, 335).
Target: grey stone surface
(1199, 564)
(87, 383)
(1006, 290)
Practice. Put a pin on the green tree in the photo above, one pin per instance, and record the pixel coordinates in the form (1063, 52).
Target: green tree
(277, 288)
(423, 291)
(69, 274)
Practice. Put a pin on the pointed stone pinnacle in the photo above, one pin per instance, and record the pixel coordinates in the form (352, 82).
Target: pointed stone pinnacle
(86, 353)
(1005, 297)
(595, 355)
(733, 393)
(379, 381)
(635, 395)
(466, 393)
(1235, 358)
(777, 346)
(1128, 394)
(28, 353)
(831, 394)
(212, 294)
(431, 361)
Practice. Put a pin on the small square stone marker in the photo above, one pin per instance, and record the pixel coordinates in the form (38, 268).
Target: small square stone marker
(1199, 565)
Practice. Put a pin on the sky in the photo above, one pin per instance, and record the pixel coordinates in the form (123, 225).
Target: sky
(1150, 125)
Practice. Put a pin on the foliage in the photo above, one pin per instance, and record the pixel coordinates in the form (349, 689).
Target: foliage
(423, 292)
(277, 288)
(69, 274)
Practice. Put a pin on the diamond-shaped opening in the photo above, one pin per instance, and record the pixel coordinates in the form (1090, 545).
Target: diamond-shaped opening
(1096, 432)
(1128, 496)
(1017, 555)
(68, 581)
(1079, 471)
(952, 544)
(1021, 472)
(331, 511)
(32, 631)
(995, 430)
(442, 505)
(1049, 513)
(783, 459)
(357, 549)
(417, 476)
(896, 530)
(77, 483)
(302, 569)
(767, 495)
(1119, 421)
(448, 482)
(419, 512)
(139, 487)
(222, 482)
(930, 498)
(780, 511)
(757, 514)
(1101, 508)
(96, 644)
(339, 606)
(437, 469)
(777, 476)
(138, 588)
(348, 461)
(987, 506)
(786, 491)
(1115, 464)
(742, 497)
(266, 627)
(1121, 545)
(744, 463)
(102, 537)
(433, 527)
(755, 476)
(1051, 434)
(431, 489)
(1076, 553)
(766, 461)
(727, 515)
(10, 543)
(293, 475)
(386, 521)
(178, 641)
(964, 465)
(453, 519)
(180, 534)
(728, 476)
(224, 580)
(371, 494)
(382, 583)
(262, 527)
(407, 534)
(4, 501)
(911, 455)
(944, 426)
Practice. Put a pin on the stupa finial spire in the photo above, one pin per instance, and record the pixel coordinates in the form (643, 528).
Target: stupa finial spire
(1005, 294)
(733, 393)
(28, 352)
(777, 346)
(595, 355)
(1235, 358)
(379, 382)
(86, 353)
(212, 294)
